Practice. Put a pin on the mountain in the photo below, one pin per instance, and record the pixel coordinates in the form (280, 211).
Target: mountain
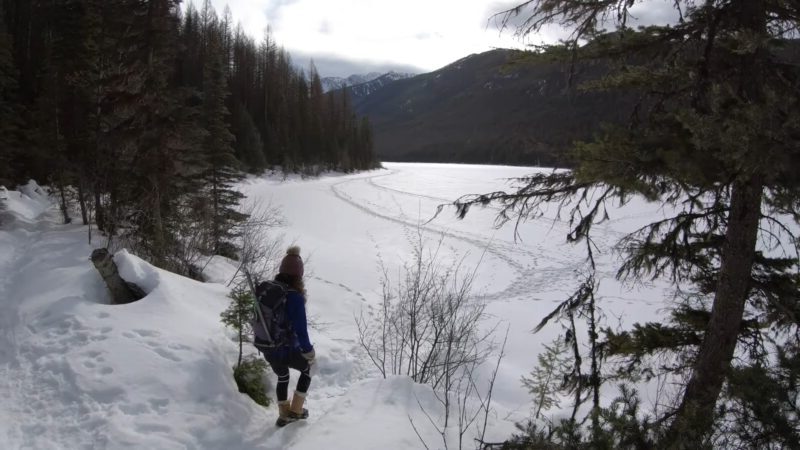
(500, 107)
(362, 85)
(361, 90)
(333, 83)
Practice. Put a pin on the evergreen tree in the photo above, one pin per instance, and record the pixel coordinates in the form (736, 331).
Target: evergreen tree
(10, 125)
(155, 131)
(190, 55)
(716, 137)
(547, 379)
(249, 371)
(316, 102)
(366, 156)
(222, 167)
(249, 146)
(128, 102)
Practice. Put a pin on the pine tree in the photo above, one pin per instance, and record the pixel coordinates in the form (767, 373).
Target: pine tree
(155, 132)
(546, 380)
(366, 153)
(249, 146)
(10, 140)
(249, 372)
(222, 167)
(238, 316)
(715, 137)
(316, 102)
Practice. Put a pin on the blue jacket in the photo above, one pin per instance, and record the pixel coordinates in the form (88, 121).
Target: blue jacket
(296, 310)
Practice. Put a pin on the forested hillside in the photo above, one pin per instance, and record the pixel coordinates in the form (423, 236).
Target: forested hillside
(497, 107)
(145, 115)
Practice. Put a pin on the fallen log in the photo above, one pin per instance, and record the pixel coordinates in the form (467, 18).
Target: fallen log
(122, 292)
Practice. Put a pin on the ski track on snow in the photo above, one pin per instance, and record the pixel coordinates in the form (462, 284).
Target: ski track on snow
(530, 277)
(493, 248)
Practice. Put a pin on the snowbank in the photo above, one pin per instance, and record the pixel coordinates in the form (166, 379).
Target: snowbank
(26, 204)
(79, 373)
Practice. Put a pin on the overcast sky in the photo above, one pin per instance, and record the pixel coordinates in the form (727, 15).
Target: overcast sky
(358, 36)
(347, 37)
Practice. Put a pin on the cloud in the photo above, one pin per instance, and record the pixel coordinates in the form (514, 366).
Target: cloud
(273, 8)
(251, 14)
(427, 34)
(325, 27)
(654, 13)
(421, 33)
(337, 66)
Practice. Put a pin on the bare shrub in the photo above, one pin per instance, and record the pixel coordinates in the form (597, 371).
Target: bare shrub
(428, 328)
(428, 324)
(260, 249)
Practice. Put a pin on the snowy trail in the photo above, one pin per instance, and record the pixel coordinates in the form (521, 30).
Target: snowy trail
(39, 386)
(9, 310)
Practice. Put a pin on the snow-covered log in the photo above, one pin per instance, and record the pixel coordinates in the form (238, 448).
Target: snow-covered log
(121, 291)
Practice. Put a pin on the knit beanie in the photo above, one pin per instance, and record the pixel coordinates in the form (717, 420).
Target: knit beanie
(292, 263)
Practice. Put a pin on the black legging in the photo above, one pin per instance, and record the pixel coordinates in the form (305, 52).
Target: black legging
(280, 365)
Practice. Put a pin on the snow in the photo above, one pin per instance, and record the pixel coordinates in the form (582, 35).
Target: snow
(333, 83)
(76, 372)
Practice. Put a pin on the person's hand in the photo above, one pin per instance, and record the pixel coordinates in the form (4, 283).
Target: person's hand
(310, 356)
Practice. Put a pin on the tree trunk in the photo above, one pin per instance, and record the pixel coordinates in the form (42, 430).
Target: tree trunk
(99, 216)
(82, 202)
(64, 206)
(241, 344)
(159, 241)
(121, 291)
(696, 413)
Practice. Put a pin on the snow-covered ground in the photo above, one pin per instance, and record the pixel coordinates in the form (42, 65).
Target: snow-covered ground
(78, 373)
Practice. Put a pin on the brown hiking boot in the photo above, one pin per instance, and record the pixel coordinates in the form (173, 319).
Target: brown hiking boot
(283, 414)
(296, 411)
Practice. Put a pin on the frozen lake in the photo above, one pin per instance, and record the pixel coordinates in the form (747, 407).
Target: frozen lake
(348, 224)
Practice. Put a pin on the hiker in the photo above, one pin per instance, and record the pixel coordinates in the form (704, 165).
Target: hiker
(299, 355)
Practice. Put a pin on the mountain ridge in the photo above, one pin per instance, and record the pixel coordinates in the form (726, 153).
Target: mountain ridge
(497, 107)
(336, 83)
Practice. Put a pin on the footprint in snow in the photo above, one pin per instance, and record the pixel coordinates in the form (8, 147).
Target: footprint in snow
(320, 279)
(134, 409)
(153, 405)
(176, 346)
(93, 354)
(166, 354)
(147, 333)
(154, 345)
(152, 428)
(92, 358)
